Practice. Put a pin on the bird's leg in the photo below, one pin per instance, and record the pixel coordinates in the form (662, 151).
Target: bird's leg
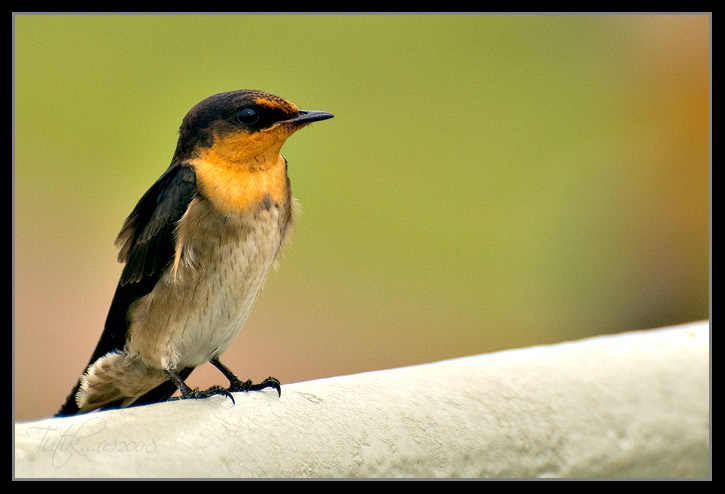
(187, 392)
(236, 384)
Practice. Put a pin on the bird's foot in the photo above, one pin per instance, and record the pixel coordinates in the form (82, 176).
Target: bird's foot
(236, 384)
(196, 394)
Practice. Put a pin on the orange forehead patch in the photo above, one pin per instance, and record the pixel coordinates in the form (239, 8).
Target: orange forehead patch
(279, 104)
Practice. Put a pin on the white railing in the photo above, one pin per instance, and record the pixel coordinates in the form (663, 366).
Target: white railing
(629, 405)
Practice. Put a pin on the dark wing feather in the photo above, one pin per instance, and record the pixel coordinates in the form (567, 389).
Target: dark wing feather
(147, 247)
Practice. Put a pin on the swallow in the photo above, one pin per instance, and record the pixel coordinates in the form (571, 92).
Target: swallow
(197, 249)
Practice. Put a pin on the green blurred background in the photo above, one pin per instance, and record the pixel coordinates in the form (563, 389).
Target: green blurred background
(488, 182)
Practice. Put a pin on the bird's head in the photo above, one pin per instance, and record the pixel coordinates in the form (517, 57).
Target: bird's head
(244, 128)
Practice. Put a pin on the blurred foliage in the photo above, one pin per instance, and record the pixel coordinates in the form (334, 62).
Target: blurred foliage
(487, 181)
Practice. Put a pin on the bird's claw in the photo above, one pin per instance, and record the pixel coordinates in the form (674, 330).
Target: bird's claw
(247, 385)
(270, 382)
(197, 394)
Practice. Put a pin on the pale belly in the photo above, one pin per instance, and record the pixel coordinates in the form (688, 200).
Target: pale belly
(231, 290)
(195, 312)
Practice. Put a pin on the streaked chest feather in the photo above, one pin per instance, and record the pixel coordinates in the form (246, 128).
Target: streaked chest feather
(204, 298)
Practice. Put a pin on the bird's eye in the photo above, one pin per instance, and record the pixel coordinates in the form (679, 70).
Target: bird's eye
(248, 116)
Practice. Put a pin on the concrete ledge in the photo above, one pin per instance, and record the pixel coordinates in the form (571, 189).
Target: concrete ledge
(629, 405)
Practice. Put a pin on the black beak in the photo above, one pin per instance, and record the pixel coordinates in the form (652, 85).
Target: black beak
(305, 117)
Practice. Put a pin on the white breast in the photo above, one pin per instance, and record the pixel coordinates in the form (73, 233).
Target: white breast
(195, 312)
(233, 287)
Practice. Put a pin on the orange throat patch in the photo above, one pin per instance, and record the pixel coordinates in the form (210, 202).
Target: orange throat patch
(236, 187)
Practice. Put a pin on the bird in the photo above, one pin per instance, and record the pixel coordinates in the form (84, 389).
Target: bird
(197, 248)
